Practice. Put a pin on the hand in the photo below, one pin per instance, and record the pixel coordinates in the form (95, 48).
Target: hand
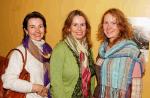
(99, 61)
(40, 90)
(44, 92)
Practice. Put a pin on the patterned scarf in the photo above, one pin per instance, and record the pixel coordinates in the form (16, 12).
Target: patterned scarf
(41, 55)
(117, 68)
(81, 51)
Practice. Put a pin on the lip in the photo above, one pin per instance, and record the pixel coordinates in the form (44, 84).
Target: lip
(79, 32)
(37, 35)
(108, 32)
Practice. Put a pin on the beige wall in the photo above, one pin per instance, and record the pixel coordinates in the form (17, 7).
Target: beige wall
(55, 11)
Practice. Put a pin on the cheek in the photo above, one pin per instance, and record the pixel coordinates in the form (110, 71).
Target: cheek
(84, 33)
(72, 33)
(72, 29)
(84, 29)
(117, 30)
(104, 28)
(30, 32)
(42, 30)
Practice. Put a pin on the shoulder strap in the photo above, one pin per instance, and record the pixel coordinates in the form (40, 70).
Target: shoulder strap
(23, 59)
(139, 54)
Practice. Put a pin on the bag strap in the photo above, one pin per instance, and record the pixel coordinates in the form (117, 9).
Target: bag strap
(139, 54)
(23, 59)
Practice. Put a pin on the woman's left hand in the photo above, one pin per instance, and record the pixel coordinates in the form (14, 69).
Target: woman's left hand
(43, 92)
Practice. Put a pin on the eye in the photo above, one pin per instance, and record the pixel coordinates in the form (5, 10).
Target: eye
(114, 23)
(105, 22)
(83, 24)
(31, 26)
(74, 24)
(41, 26)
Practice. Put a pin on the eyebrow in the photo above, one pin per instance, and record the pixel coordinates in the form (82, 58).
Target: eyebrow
(31, 25)
(78, 23)
(34, 25)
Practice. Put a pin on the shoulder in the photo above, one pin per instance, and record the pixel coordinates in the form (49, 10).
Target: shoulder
(16, 53)
(60, 46)
(130, 43)
(21, 48)
(132, 47)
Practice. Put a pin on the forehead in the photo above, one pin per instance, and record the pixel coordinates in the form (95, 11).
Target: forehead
(110, 17)
(78, 19)
(35, 21)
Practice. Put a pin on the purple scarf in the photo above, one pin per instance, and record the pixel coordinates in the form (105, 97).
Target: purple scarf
(42, 56)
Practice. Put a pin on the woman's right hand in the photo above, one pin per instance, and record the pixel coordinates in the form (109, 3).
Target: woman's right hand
(40, 90)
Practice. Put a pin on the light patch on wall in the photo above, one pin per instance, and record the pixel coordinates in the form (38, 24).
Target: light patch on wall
(141, 33)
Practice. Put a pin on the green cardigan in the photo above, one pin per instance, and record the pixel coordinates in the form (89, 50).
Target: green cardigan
(64, 71)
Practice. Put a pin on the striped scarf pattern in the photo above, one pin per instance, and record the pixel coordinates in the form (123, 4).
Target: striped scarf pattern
(117, 68)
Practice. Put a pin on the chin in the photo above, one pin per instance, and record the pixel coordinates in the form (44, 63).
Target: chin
(80, 37)
(38, 39)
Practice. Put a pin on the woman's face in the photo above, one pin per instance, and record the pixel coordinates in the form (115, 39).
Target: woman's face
(110, 27)
(78, 27)
(35, 29)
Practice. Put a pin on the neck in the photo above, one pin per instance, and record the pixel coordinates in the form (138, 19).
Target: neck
(79, 40)
(113, 42)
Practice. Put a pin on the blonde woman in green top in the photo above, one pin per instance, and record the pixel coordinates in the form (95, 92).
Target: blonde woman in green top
(71, 60)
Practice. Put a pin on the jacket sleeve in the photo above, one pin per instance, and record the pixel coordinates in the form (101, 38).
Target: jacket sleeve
(56, 71)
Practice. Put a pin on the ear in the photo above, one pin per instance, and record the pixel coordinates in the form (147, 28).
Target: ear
(25, 30)
(45, 31)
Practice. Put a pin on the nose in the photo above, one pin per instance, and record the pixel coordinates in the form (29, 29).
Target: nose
(79, 27)
(108, 26)
(37, 29)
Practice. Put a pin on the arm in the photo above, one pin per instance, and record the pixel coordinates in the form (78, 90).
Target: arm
(137, 81)
(136, 88)
(11, 76)
(97, 69)
(56, 71)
